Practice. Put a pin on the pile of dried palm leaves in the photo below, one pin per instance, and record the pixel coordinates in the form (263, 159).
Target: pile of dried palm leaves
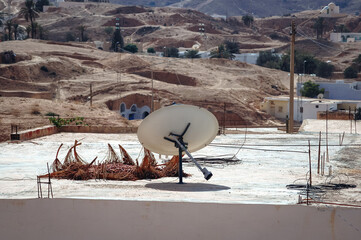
(113, 167)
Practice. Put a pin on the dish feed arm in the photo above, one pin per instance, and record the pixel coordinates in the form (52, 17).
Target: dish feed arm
(207, 174)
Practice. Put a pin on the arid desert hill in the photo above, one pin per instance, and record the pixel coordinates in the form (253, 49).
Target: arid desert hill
(65, 72)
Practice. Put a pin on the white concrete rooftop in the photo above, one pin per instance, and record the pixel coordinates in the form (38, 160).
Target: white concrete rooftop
(270, 160)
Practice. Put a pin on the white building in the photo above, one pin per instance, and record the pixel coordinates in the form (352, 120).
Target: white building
(338, 90)
(331, 10)
(304, 108)
(345, 37)
(134, 112)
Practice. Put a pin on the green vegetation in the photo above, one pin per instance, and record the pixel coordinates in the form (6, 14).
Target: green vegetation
(358, 114)
(29, 12)
(117, 41)
(192, 54)
(231, 46)
(341, 28)
(324, 69)
(83, 37)
(311, 89)
(150, 50)
(221, 52)
(247, 20)
(171, 52)
(39, 5)
(59, 122)
(304, 63)
(69, 37)
(350, 72)
(131, 48)
(319, 27)
(8, 27)
(269, 59)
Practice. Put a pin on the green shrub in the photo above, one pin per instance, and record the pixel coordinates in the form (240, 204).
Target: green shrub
(311, 89)
(350, 72)
(150, 50)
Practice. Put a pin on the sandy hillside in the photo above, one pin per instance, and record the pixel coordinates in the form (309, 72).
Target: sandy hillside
(66, 71)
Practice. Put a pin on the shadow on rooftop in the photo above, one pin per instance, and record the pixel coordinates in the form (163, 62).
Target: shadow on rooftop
(187, 187)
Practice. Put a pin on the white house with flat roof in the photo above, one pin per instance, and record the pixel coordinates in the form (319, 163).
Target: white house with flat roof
(345, 37)
(304, 108)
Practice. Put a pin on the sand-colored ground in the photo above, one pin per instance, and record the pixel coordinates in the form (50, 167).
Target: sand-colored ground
(67, 70)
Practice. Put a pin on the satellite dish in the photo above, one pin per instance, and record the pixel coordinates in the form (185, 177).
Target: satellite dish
(159, 124)
(176, 129)
(320, 96)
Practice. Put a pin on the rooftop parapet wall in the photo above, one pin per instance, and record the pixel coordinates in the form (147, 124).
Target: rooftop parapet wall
(55, 219)
(49, 130)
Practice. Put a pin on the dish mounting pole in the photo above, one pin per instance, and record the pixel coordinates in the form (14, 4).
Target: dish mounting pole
(182, 147)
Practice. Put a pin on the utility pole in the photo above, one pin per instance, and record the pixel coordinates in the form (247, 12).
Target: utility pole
(292, 75)
(91, 95)
(152, 103)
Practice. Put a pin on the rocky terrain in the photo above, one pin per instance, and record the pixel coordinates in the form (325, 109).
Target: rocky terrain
(58, 74)
(242, 7)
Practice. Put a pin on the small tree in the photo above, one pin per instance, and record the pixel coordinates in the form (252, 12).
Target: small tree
(357, 63)
(39, 5)
(131, 48)
(324, 70)
(1, 18)
(311, 89)
(28, 30)
(268, 59)
(247, 20)
(29, 12)
(81, 30)
(150, 50)
(358, 114)
(350, 72)
(117, 41)
(319, 26)
(192, 54)
(221, 52)
(171, 52)
(232, 47)
(69, 37)
(9, 27)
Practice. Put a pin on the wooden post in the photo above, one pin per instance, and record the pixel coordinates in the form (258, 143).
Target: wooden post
(309, 160)
(292, 71)
(91, 95)
(224, 118)
(349, 117)
(152, 103)
(355, 122)
(327, 133)
(319, 154)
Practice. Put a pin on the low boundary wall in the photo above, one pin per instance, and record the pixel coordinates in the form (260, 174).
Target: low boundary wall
(49, 130)
(115, 219)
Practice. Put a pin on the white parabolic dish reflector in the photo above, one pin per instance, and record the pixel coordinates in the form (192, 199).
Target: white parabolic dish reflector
(159, 124)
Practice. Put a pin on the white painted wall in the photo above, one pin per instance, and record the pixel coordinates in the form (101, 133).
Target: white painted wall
(105, 219)
(310, 109)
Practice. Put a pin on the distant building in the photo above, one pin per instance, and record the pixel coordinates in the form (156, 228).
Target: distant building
(331, 10)
(134, 112)
(345, 37)
(304, 108)
(338, 90)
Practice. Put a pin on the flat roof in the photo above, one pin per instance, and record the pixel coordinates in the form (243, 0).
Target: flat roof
(270, 160)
